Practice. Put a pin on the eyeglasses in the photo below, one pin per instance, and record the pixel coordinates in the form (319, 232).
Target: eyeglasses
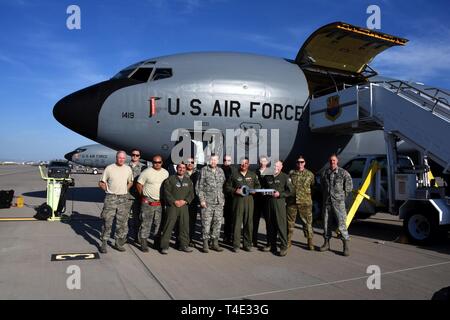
(157, 162)
(135, 155)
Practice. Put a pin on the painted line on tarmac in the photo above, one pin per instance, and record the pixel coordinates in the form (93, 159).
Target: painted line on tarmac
(18, 219)
(336, 282)
(149, 271)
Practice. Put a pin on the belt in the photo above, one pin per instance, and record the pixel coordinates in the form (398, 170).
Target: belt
(151, 203)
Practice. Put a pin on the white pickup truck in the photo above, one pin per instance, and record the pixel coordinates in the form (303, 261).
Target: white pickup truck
(425, 210)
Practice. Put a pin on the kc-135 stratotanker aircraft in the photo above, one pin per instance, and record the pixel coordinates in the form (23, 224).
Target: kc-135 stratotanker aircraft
(142, 105)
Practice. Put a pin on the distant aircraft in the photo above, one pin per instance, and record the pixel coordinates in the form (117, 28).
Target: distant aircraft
(94, 157)
(143, 104)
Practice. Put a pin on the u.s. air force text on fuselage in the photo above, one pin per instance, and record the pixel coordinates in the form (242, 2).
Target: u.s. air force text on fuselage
(224, 108)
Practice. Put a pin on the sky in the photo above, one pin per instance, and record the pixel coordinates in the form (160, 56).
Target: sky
(41, 60)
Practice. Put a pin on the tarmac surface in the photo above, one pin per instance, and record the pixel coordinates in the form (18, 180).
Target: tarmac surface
(27, 272)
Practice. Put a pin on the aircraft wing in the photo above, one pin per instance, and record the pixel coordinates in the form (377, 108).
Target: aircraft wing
(344, 48)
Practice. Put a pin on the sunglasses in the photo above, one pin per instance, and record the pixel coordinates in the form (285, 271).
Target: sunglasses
(135, 155)
(157, 162)
(300, 161)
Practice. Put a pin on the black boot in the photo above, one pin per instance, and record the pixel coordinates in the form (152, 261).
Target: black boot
(325, 246)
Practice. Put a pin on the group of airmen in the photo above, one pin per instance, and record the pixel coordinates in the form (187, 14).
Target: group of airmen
(154, 204)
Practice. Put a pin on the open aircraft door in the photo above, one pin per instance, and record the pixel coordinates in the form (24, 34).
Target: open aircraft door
(339, 53)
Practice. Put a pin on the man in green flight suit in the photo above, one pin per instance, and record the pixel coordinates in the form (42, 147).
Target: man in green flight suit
(178, 193)
(277, 225)
(242, 206)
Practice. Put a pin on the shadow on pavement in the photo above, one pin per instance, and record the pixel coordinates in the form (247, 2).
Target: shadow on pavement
(84, 194)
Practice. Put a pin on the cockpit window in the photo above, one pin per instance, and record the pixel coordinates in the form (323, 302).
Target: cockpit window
(162, 73)
(123, 74)
(80, 150)
(142, 74)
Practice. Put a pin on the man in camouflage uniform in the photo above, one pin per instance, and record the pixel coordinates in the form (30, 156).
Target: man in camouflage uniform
(242, 206)
(209, 189)
(134, 203)
(117, 179)
(301, 201)
(336, 185)
(178, 194)
(277, 224)
(149, 187)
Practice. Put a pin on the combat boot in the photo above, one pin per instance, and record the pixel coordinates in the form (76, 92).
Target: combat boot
(310, 244)
(205, 246)
(216, 246)
(119, 245)
(345, 251)
(144, 245)
(103, 247)
(186, 249)
(325, 246)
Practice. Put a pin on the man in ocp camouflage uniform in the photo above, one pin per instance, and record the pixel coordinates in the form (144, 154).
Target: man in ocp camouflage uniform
(117, 179)
(336, 185)
(149, 188)
(209, 189)
(301, 201)
(134, 203)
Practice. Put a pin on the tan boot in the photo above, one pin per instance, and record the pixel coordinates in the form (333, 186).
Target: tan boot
(103, 247)
(345, 251)
(310, 244)
(215, 246)
(119, 245)
(144, 245)
(205, 246)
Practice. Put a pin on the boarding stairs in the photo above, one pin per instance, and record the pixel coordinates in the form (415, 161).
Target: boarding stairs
(418, 116)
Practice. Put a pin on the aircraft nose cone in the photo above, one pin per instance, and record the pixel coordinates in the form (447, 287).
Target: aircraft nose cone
(80, 110)
(69, 156)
